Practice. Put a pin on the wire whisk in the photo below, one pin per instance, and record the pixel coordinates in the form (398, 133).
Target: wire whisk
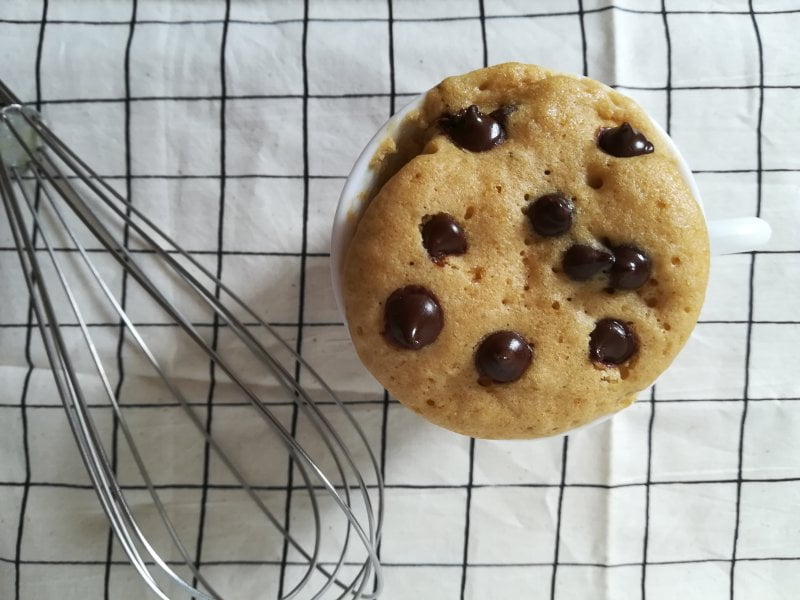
(76, 237)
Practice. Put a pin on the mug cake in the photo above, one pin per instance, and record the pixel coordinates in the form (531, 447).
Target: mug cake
(531, 259)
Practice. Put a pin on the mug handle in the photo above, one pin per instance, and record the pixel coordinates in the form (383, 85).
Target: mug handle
(743, 234)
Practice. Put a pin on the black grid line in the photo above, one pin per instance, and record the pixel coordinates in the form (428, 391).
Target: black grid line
(367, 95)
(210, 176)
(668, 87)
(455, 565)
(467, 510)
(559, 509)
(192, 252)
(375, 402)
(423, 486)
(222, 325)
(482, 18)
(302, 294)
(584, 52)
(751, 298)
(134, 405)
(23, 405)
(403, 19)
(648, 482)
(362, 95)
(219, 267)
(124, 288)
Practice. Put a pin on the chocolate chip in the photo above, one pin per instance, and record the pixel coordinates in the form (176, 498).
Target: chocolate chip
(551, 215)
(501, 114)
(502, 357)
(413, 317)
(472, 130)
(623, 141)
(631, 268)
(583, 262)
(612, 342)
(442, 236)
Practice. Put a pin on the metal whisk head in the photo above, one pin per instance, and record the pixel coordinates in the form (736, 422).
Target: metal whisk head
(79, 242)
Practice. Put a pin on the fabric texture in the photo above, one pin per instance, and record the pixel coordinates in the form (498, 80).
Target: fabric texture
(693, 492)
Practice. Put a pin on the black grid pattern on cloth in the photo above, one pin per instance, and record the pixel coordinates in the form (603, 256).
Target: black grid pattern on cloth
(726, 380)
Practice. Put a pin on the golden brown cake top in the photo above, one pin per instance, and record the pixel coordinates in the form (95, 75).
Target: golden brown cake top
(486, 217)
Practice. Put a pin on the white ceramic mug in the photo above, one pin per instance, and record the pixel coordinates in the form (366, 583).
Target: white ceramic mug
(727, 236)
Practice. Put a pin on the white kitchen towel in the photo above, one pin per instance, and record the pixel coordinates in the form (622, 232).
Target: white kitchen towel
(693, 492)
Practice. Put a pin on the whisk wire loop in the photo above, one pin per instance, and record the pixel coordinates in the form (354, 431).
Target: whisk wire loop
(27, 144)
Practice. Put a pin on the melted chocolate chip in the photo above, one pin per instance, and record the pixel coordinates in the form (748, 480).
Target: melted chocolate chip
(551, 215)
(631, 268)
(612, 342)
(442, 236)
(623, 141)
(502, 357)
(473, 130)
(413, 317)
(501, 114)
(583, 262)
